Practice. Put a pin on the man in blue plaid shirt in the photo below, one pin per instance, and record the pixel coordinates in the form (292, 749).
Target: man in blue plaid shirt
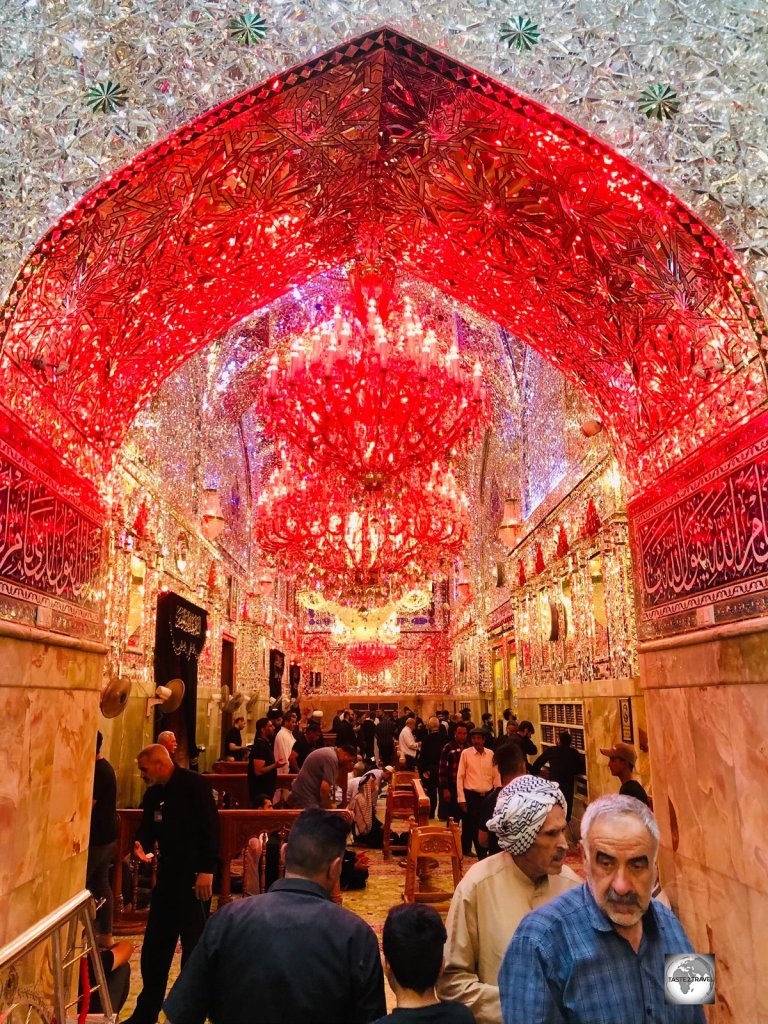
(595, 955)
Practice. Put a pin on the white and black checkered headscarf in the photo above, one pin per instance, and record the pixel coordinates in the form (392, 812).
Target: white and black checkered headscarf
(521, 808)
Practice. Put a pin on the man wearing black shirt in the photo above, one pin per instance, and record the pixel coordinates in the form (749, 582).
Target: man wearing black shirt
(622, 758)
(291, 955)
(564, 764)
(262, 766)
(368, 736)
(523, 739)
(102, 842)
(385, 735)
(180, 816)
(311, 739)
(233, 741)
(429, 761)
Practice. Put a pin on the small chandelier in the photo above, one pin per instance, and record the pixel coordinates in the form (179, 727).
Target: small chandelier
(373, 401)
(371, 656)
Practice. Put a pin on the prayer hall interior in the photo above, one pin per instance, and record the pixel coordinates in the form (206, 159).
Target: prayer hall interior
(373, 356)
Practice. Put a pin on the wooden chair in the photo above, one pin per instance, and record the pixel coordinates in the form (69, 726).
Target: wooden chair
(402, 780)
(399, 807)
(128, 921)
(428, 844)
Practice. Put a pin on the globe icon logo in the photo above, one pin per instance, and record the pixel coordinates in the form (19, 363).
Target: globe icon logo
(689, 979)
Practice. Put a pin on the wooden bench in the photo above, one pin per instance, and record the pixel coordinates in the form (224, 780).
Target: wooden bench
(231, 790)
(237, 827)
(230, 768)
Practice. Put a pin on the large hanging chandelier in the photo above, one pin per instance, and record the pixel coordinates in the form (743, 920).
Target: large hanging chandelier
(373, 401)
(311, 530)
(371, 656)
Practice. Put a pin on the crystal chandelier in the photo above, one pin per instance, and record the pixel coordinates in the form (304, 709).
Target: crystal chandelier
(373, 401)
(310, 528)
(371, 656)
(353, 626)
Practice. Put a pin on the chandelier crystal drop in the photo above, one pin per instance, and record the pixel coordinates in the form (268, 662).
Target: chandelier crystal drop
(374, 401)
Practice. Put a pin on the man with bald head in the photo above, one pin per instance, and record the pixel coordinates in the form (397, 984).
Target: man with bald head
(497, 893)
(180, 816)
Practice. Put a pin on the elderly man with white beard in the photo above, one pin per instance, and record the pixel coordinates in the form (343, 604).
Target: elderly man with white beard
(498, 892)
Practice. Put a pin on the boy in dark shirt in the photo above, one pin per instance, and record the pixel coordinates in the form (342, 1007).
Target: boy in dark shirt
(413, 940)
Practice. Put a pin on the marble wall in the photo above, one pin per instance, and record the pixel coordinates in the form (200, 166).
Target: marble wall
(601, 724)
(707, 712)
(48, 723)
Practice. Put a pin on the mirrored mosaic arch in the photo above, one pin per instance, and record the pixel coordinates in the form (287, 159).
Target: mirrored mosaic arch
(386, 147)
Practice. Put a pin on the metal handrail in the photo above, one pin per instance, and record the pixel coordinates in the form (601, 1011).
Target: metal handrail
(48, 927)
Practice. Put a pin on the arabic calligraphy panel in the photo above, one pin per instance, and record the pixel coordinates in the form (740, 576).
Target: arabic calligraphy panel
(50, 545)
(706, 539)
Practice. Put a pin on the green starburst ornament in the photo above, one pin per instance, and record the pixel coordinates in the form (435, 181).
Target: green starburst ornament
(106, 97)
(248, 28)
(659, 101)
(520, 32)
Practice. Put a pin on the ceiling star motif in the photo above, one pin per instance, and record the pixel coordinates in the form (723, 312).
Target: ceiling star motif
(385, 144)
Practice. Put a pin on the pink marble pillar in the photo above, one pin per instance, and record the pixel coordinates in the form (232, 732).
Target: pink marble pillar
(48, 720)
(707, 702)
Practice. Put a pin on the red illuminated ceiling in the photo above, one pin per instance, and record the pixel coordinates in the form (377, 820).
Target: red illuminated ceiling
(385, 145)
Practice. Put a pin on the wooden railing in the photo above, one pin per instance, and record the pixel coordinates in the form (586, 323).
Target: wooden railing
(231, 790)
(230, 768)
(420, 803)
(125, 921)
(236, 827)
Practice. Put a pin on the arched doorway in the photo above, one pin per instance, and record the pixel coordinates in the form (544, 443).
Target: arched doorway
(384, 146)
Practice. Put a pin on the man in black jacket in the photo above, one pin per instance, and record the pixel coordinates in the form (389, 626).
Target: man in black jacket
(180, 816)
(429, 761)
(523, 739)
(291, 955)
(385, 735)
(563, 764)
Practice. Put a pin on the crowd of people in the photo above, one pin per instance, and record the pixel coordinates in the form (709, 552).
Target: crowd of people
(525, 940)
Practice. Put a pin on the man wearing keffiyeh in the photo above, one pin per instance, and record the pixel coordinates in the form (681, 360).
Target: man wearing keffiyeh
(496, 893)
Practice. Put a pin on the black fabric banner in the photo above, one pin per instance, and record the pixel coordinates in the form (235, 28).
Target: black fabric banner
(276, 669)
(180, 634)
(294, 678)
